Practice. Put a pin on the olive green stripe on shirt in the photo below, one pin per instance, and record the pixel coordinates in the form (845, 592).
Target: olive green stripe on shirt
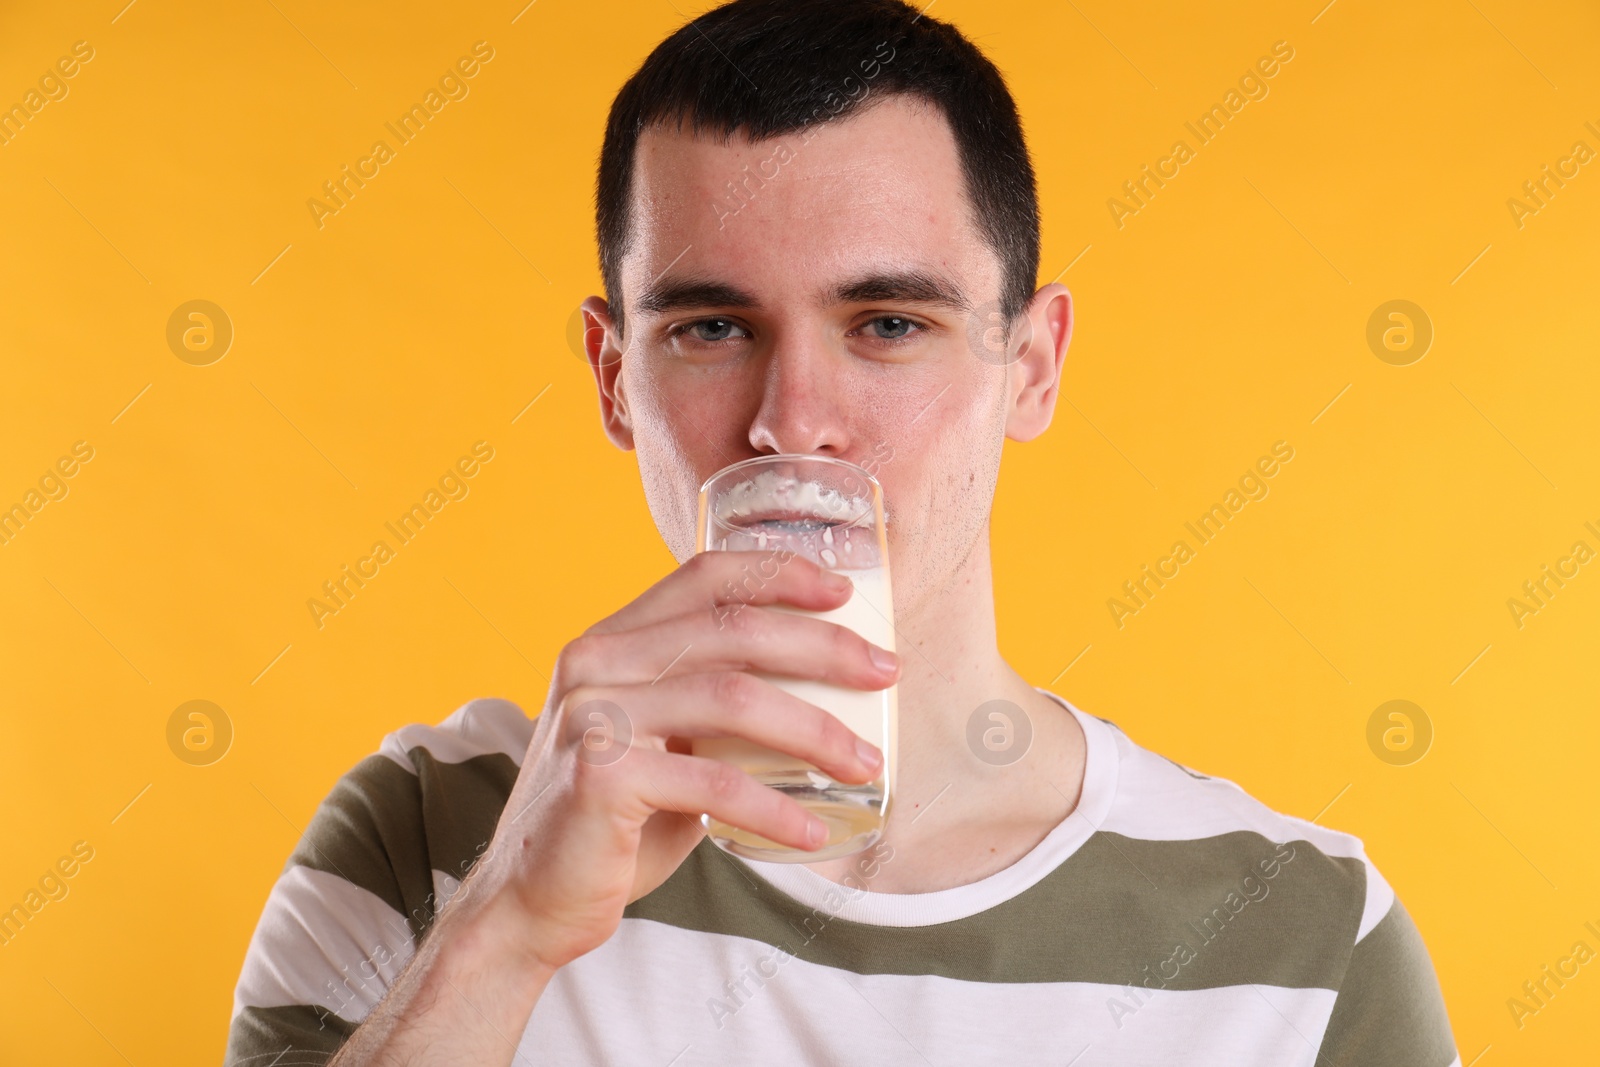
(1165, 914)
(464, 805)
(294, 1036)
(1388, 1012)
(375, 830)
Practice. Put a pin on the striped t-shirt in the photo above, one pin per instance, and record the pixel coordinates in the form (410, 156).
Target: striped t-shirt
(1169, 919)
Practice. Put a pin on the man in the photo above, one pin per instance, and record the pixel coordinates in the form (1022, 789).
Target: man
(819, 234)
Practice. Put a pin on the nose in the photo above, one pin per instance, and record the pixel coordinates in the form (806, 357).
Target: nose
(804, 401)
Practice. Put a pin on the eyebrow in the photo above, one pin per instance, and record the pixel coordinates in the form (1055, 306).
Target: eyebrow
(681, 294)
(911, 286)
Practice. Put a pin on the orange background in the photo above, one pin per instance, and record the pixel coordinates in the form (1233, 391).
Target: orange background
(369, 354)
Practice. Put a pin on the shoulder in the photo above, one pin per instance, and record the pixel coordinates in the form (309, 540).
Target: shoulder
(488, 726)
(1208, 823)
(1333, 922)
(431, 794)
(405, 824)
(386, 848)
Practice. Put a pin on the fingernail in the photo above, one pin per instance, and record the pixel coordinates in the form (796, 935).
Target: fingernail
(868, 752)
(835, 582)
(882, 658)
(817, 833)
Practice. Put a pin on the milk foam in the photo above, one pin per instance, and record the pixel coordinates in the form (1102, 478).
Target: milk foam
(773, 492)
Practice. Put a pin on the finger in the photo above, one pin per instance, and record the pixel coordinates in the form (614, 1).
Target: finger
(736, 704)
(752, 639)
(691, 785)
(710, 579)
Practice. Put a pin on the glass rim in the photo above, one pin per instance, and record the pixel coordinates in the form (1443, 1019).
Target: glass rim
(756, 461)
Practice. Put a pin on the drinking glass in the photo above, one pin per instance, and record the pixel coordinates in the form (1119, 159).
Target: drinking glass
(830, 512)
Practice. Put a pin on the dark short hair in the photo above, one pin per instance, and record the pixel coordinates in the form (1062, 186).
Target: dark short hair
(770, 67)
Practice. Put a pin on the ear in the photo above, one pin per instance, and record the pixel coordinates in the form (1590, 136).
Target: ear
(602, 347)
(1034, 376)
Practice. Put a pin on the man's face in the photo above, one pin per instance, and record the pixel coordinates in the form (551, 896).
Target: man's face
(831, 308)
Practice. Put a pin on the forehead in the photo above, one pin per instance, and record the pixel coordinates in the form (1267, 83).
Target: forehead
(879, 189)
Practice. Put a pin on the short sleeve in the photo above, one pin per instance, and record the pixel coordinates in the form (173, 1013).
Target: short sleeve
(385, 850)
(1389, 1011)
(334, 932)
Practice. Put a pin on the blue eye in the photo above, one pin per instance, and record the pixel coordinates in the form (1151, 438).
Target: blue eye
(714, 330)
(893, 327)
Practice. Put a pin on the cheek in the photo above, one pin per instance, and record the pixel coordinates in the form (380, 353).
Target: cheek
(695, 411)
(945, 465)
(680, 440)
(671, 489)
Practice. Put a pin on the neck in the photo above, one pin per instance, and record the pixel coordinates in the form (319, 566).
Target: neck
(951, 665)
(958, 817)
